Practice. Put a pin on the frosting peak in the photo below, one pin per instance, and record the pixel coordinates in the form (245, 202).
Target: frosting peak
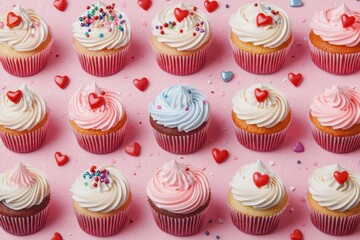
(177, 176)
(21, 176)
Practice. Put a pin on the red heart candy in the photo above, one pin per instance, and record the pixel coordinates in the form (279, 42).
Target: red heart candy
(180, 14)
(341, 177)
(144, 4)
(62, 81)
(219, 156)
(260, 180)
(347, 21)
(295, 79)
(211, 6)
(296, 235)
(141, 84)
(15, 97)
(263, 20)
(13, 20)
(57, 236)
(133, 150)
(95, 102)
(60, 4)
(61, 159)
(261, 95)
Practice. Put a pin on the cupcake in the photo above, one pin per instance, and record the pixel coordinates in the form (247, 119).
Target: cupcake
(101, 37)
(180, 118)
(260, 37)
(334, 40)
(25, 42)
(257, 199)
(101, 199)
(261, 115)
(181, 37)
(98, 119)
(335, 120)
(24, 200)
(23, 120)
(179, 197)
(334, 199)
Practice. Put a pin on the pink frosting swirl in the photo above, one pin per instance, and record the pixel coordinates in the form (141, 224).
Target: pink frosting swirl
(21, 176)
(178, 188)
(337, 107)
(328, 25)
(102, 118)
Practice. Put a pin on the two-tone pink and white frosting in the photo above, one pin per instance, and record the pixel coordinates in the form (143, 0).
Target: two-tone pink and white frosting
(103, 118)
(178, 188)
(337, 107)
(328, 25)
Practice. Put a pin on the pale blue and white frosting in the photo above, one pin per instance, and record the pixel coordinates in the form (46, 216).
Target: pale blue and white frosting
(181, 107)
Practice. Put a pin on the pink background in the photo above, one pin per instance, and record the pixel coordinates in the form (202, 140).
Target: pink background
(141, 63)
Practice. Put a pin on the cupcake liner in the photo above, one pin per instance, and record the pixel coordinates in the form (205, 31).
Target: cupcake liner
(103, 226)
(182, 144)
(260, 63)
(102, 66)
(182, 65)
(333, 143)
(25, 142)
(27, 66)
(101, 144)
(335, 63)
(24, 225)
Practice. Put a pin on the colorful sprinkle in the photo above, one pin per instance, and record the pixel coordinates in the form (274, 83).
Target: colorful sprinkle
(227, 6)
(298, 162)
(296, 3)
(158, 107)
(187, 109)
(101, 35)
(298, 147)
(207, 233)
(217, 237)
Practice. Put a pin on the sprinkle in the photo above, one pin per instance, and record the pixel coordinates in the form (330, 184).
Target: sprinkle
(158, 107)
(227, 6)
(86, 184)
(101, 35)
(255, 4)
(221, 220)
(202, 30)
(87, 7)
(292, 188)
(95, 185)
(298, 147)
(103, 14)
(187, 109)
(298, 162)
(194, 8)
(111, 18)
(271, 163)
(166, 24)
(268, 8)
(210, 220)
(166, 96)
(181, 31)
(194, 34)
(32, 26)
(170, 23)
(110, 29)
(156, 27)
(197, 29)
(207, 233)
(89, 30)
(161, 32)
(100, 17)
(86, 33)
(106, 181)
(204, 101)
(217, 237)
(120, 16)
(187, 169)
(189, 91)
(81, 25)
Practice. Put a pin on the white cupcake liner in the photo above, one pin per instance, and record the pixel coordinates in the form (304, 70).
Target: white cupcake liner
(335, 63)
(22, 226)
(25, 142)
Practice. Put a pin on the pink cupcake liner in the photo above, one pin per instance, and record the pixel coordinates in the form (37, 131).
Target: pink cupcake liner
(27, 66)
(24, 225)
(260, 63)
(335, 63)
(103, 66)
(335, 144)
(182, 144)
(103, 226)
(182, 65)
(27, 142)
(101, 144)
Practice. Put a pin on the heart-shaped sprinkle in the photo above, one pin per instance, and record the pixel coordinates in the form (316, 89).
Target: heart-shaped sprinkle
(133, 150)
(298, 147)
(13, 20)
(60, 4)
(296, 235)
(15, 96)
(226, 76)
(341, 177)
(61, 159)
(347, 21)
(211, 6)
(95, 101)
(219, 155)
(141, 84)
(260, 180)
(261, 95)
(263, 20)
(144, 4)
(295, 79)
(62, 81)
(57, 236)
(180, 14)
(296, 3)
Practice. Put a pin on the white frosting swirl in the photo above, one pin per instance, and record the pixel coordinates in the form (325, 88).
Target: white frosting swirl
(245, 191)
(266, 114)
(329, 193)
(243, 25)
(25, 114)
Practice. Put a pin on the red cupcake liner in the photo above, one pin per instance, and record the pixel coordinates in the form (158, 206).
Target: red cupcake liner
(26, 142)
(333, 143)
(27, 66)
(103, 226)
(24, 225)
(182, 144)
(101, 144)
(182, 65)
(335, 63)
(260, 63)
(103, 66)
